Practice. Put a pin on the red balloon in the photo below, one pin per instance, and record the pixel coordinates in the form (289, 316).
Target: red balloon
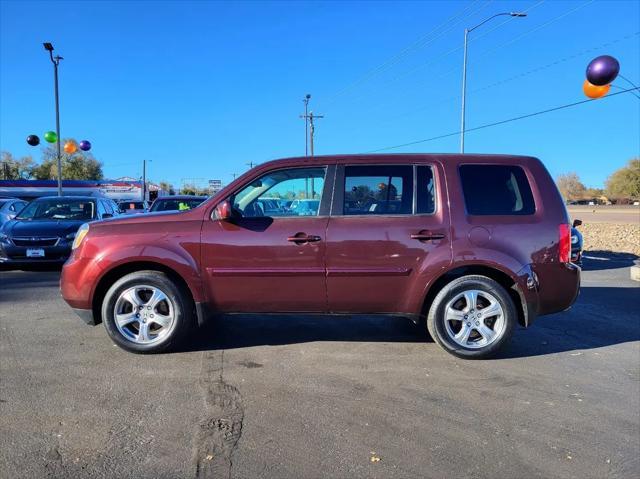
(595, 91)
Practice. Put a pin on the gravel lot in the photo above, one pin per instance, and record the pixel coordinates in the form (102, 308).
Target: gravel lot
(609, 228)
(320, 397)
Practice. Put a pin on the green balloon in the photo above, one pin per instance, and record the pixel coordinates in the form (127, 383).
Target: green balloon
(51, 136)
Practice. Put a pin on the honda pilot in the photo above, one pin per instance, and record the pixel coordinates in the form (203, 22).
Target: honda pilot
(471, 245)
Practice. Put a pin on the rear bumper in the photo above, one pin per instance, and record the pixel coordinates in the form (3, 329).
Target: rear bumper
(559, 286)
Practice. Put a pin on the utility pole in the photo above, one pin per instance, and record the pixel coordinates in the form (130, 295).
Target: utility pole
(312, 129)
(310, 117)
(251, 164)
(305, 100)
(235, 175)
(56, 61)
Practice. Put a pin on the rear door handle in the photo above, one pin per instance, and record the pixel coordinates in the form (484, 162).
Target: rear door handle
(426, 236)
(301, 238)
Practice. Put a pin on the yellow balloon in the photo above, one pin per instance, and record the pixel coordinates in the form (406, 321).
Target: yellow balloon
(70, 147)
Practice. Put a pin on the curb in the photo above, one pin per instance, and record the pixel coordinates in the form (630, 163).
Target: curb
(635, 273)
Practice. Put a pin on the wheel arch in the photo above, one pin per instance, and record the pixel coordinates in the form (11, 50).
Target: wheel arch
(112, 275)
(506, 279)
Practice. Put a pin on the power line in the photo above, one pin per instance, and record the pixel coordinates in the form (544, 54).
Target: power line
(518, 76)
(535, 29)
(502, 122)
(422, 42)
(453, 50)
(435, 60)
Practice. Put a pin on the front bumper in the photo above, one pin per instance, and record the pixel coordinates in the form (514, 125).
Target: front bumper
(12, 254)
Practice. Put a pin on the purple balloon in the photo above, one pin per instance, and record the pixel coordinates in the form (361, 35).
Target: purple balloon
(602, 70)
(85, 145)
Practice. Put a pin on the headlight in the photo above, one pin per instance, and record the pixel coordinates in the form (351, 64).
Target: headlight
(79, 235)
(574, 239)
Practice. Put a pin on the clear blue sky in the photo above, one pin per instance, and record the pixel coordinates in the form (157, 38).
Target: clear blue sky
(202, 88)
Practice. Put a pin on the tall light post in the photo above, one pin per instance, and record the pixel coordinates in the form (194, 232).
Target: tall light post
(56, 61)
(144, 179)
(464, 67)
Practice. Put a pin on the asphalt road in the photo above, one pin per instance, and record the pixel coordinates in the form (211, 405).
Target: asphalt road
(316, 397)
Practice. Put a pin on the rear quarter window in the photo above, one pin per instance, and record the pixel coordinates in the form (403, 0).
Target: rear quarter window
(496, 190)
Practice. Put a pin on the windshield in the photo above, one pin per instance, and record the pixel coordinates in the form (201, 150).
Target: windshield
(176, 205)
(58, 209)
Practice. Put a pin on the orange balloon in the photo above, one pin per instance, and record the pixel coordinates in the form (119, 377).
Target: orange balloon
(70, 147)
(595, 91)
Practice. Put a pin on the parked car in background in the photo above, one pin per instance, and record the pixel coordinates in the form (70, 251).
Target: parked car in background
(176, 203)
(44, 230)
(576, 243)
(444, 243)
(304, 207)
(9, 208)
(132, 207)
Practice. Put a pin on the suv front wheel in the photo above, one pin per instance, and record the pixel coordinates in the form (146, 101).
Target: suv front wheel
(146, 312)
(472, 317)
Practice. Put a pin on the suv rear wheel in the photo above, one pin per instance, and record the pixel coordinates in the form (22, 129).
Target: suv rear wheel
(146, 312)
(472, 317)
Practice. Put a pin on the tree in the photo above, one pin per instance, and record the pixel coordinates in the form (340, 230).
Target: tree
(80, 165)
(593, 193)
(190, 189)
(570, 186)
(166, 186)
(625, 182)
(12, 169)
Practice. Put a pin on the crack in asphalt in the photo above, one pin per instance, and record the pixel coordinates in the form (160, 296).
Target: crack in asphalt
(217, 434)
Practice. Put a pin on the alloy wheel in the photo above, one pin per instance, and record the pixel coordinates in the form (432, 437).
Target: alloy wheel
(474, 319)
(144, 314)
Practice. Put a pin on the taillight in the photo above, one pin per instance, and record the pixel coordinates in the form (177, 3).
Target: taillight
(564, 245)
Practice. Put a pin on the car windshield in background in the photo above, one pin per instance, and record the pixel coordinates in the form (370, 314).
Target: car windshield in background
(56, 209)
(176, 205)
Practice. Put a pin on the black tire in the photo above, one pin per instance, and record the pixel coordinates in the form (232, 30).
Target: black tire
(436, 316)
(181, 302)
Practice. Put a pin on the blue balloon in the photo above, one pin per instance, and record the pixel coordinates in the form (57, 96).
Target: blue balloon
(603, 70)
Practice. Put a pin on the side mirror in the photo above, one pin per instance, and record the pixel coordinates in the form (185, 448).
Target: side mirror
(224, 211)
(577, 223)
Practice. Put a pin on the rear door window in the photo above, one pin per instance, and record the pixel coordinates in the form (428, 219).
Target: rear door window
(496, 190)
(426, 194)
(378, 190)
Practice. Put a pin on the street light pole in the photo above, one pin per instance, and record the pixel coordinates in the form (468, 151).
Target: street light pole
(56, 61)
(464, 67)
(144, 179)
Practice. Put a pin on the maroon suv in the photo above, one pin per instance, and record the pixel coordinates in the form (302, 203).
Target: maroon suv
(476, 244)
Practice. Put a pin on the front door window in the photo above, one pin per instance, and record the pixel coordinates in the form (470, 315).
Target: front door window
(295, 192)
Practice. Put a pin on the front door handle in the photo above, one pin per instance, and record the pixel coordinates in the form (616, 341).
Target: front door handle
(301, 238)
(427, 236)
